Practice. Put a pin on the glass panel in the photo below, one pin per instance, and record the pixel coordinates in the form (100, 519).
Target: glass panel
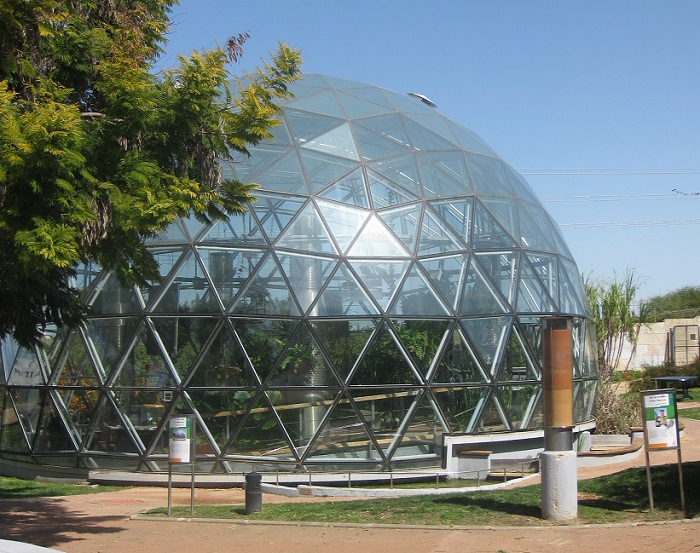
(531, 235)
(546, 268)
(175, 233)
(236, 230)
(86, 273)
(81, 404)
(307, 234)
(384, 362)
(461, 406)
(489, 175)
(376, 240)
(478, 295)
(343, 341)
(488, 337)
(337, 142)
(493, 417)
(303, 364)
(305, 125)
(53, 436)
(190, 291)
(585, 401)
(488, 233)
(107, 338)
(435, 236)
(380, 278)
(401, 170)
(505, 210)
(222, 411)
(223, 365)
(26, 370)
(469, 140)
(532, 296)
(371, 94)
(438, 184)
(447, 274)
(572, 294)
(284, 175)
(351, 189)
(325, 103)
(321, 169)
(266, 293)
(422, 436)
(306, 276)
(516, 363)
(107, 432)
(27, 407)
(76, 366)
(356, 107)
(549, 228)
(457, 214)
(519, 185)
(143, 415)
(389, 126)
(114, 299)
(343, 296)
(263, 155)
(385, 193)
(377, 146)
(531, 328)
(263, 341)
(424, 139)
(344, 221)
(502, 269)
(421, 339)
(274, 213)
(416, 298)
(458, 364)
(183, 338)
(12, 436)
(590, 358)
(437, 124)
(403, 222)
(520, 403)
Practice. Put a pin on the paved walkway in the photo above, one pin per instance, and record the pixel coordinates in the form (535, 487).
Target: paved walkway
(101, 523)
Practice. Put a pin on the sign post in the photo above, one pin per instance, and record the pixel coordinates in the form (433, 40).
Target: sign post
(181, 450)
(661, 431)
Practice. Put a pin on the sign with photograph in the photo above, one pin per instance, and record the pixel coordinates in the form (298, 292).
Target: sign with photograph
(180, 444)
(660, 419)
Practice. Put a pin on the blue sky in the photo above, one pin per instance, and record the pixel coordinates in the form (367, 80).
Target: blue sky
(595, 102)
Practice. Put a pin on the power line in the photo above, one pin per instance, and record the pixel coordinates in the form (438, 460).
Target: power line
(614, 198)
(586, 172)
(621, 224)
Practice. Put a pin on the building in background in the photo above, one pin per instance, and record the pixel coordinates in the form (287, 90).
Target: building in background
(384, 294)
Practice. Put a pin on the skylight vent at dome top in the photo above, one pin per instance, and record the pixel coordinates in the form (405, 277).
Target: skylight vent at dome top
(387, 288)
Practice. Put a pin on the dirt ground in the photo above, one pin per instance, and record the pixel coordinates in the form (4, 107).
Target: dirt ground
(101, 523)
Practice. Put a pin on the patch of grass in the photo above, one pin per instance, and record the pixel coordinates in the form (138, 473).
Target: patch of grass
(619, 497)
(15, 488)
(691, 413)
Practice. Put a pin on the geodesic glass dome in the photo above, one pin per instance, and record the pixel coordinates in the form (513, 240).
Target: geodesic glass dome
(386, 289)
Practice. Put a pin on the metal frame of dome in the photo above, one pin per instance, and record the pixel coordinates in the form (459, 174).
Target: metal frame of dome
(387, 288)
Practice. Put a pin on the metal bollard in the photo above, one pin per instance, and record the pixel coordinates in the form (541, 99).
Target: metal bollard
(253, 493)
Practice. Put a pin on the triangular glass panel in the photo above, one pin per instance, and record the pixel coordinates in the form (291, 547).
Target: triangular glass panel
(221, 411)
(107, 338)
(168, 259)
(112, 298)
(305, 125)
(193, 227)
(502, 269)
(174, 233)
(458, 363)
(302, 417)
(454, 165)
(546, 266)
(259, 434)
(422, 340)
(221, 265)
(469, 140)
(142, 422)
(478, 295)
(578, 329)
(371, 94)
(568, 298)
(310, 85)
(183, 338)
(488, 175)
(223, 365)
(343, 296)
(380, 278)
(325, 103)
(493, 417)
(438, 184)
(322, 169)
(303, 364)
(338, 142)
(519, 185)
(237, 230)
(26, 408)
(436, 237)
(266, 293)
(343, 221)
(384, 362)
(489, 337)
(425, 139)
(384, 193)
(351, 189)
(461, 406)
(285, 175)
(377, 146)
(416, 298)
(447, 274)
(376, 240)
(53, 436)
(86, 274)
(12, 434)
(262, 156)
(516, 362)
(549, 228)
(520, 403)
(437, 124)
(389, 126)
(26, 370)
(80, 405)
(532, 295)
(307, 233)
(357, 107)
(342, 84)
(531, 333)
(404, 221)
(306, 276)
(263, 341)
(274, 212)
(343, 341)
(401, 170)
(531, 234)
(107, 433)
(584, 400)
(387, 412)
(343, 435)
(488, 232)
(571, 270)
(589, 367)
(76, 365)
(408, 104)
(505, 210)
(422, 433)
(189, 291)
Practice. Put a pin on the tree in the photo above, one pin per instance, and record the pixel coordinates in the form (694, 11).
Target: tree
(97, 153)
(681, 303)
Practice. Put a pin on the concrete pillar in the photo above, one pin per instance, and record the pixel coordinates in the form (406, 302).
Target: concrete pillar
(558, 461)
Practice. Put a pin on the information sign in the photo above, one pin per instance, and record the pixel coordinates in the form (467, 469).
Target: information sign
(660, 421)
(180, 444)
